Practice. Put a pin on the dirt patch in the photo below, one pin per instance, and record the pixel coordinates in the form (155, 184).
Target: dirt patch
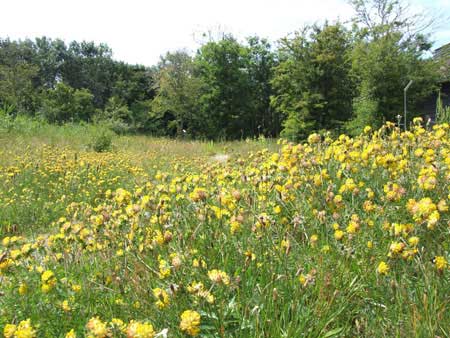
(222, 158)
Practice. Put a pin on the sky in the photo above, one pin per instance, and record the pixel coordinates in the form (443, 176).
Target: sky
(139, 31)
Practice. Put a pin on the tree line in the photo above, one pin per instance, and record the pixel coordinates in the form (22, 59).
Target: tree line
(330, 77)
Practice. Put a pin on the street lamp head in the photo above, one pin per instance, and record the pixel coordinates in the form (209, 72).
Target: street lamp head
(408, 85)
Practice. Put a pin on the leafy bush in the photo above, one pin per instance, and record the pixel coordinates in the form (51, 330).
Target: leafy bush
(5, 120)
(20, 124)
(66, 104)
(442, 113)
(367, 113)
(116, 116)
(102, 142)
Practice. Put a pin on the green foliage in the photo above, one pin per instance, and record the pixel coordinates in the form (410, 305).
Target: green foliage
(7, 109)
(324, 77)
(442, 113)
(383, 68)
(225, 101)
(387, 54)
(31, 73)
(236, 88)
(262, 60)
(116, 116)
(66, 104)
(103, 141)
(300, 121)
(330, 78)
(5, 120)
(223, 92)
(312, 82)
(13, 124)
(366, 112)
(178, 95)
(17, 75)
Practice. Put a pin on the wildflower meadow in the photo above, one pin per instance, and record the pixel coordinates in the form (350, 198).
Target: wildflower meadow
(332, 237)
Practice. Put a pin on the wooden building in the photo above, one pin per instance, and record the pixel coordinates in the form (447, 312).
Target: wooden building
(429, 107)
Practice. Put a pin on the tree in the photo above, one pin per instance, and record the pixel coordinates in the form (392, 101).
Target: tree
(116, 116)
(387, 54)
(262, 60)
(66, 104)
(30, 71)
(178, 92)
(18, 75)
(134, 85)
(223, 67)
(379, 18)
(313, 85)
(50, 56)
(90, 66)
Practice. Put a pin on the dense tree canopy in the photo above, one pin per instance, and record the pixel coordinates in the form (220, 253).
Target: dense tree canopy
(387, 54)
(178, 93)
(226, 101)
(332, 77)
(71, 82)
(66, 104)
(313, 85)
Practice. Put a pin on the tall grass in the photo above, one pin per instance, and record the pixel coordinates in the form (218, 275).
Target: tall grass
(345, 237)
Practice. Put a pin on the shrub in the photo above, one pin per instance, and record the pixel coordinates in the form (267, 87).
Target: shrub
(102, 141)
(66, 104)
(442, 113)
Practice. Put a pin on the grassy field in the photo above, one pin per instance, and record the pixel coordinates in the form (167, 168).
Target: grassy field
(164, 238)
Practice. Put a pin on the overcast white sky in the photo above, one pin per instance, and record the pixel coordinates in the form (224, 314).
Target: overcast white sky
(139, 31)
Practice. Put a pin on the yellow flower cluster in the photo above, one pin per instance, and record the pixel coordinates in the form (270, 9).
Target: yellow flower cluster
(23, 330)
(48, 281)
(219, 277)
(162, 298)
(97, 329)
(137, 238)
(190, 322)
(140, 330)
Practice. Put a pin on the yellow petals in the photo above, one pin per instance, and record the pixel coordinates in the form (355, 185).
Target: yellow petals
(219, 277)
(140, 330)
(383, 268)
(440, 263)
(190, 322)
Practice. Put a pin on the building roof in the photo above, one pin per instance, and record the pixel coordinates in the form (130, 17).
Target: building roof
(442, 54)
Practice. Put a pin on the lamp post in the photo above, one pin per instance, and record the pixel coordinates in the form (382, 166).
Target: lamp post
(404, 102)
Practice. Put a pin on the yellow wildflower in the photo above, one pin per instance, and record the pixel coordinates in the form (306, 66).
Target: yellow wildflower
(440, 263)
(71, 334)
(190, 322)
(97, 328)
(413, 241)
(140, 330)
(338, 234)
(9, 330)
(219, 277)
(23, 330)
(383, 268)
(65, 306)
(23, 288)
(162, 298)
